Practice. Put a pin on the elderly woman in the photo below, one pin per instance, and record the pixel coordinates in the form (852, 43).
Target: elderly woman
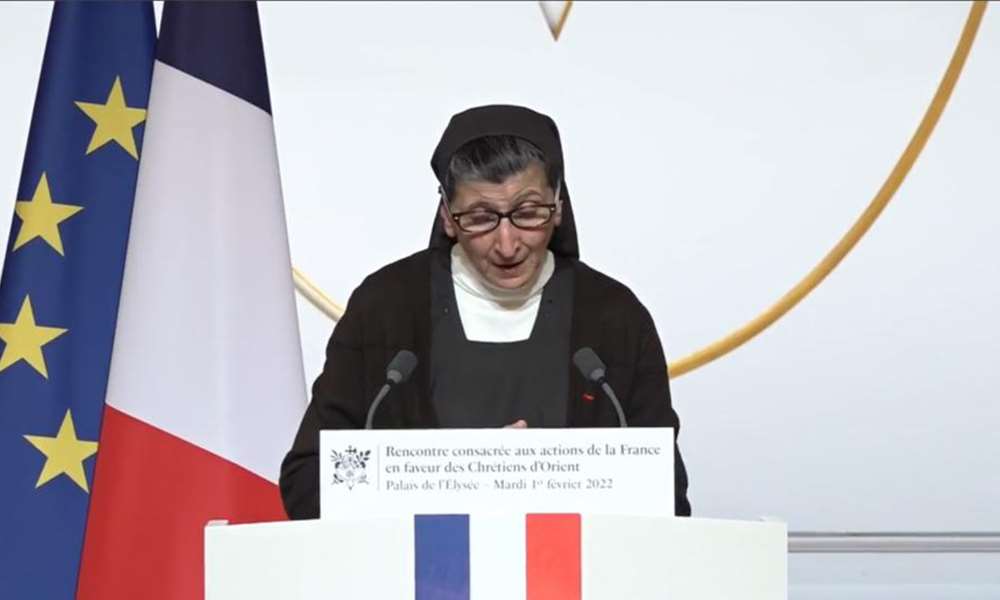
(494, 309)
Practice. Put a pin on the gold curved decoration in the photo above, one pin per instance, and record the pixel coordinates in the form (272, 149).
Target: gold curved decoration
(812, 279)
(832, 258)
(313, 294)
(562, 20)
(555, 16)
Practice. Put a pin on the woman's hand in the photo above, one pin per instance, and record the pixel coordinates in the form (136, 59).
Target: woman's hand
(518, 424)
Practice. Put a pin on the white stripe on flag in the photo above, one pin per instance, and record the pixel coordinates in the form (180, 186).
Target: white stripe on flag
(207, 342)
(497, 546)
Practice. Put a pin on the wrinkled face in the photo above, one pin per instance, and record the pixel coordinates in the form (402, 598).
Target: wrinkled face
(507, 257)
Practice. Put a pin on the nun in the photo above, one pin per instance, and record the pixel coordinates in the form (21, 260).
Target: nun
(494, 310)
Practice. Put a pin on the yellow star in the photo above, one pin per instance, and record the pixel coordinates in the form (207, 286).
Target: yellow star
(114, 120)
(41, 217)
(64, 454)
(24, 339)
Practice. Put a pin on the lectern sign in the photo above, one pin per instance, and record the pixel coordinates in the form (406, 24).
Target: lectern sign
(403, 472)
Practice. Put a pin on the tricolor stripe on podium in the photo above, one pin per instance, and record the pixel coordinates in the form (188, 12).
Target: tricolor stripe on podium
(547, 567)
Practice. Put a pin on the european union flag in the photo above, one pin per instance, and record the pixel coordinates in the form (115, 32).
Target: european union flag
(61, 282)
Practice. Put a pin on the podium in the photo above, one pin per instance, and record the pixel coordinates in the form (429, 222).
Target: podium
(532, 557)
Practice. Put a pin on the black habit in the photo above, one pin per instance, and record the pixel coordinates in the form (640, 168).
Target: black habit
(399, 308)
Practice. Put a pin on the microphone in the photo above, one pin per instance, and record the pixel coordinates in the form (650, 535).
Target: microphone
(399, 370)
(592, 369)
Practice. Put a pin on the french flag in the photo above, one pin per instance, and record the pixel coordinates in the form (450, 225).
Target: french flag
(206, 385)
(537, 557)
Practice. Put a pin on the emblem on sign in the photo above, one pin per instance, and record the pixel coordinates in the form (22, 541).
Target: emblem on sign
(350, 467)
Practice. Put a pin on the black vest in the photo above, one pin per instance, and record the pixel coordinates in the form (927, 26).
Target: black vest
(492, 384)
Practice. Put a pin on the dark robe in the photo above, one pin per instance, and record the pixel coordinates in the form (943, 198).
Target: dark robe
(492, 384)
(391, 311)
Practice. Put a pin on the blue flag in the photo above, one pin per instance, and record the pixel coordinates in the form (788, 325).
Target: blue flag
(61, 282)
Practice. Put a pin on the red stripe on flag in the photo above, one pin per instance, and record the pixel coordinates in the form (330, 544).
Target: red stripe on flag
(153, 494)
(553, 557)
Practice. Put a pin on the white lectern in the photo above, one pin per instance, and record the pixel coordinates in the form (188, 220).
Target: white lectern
(492, 557)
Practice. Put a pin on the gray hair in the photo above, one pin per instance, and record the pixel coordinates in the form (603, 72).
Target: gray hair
(494, 158)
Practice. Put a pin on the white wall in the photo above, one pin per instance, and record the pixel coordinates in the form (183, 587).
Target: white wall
(714, 152)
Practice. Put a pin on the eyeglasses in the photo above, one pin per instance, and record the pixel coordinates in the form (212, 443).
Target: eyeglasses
(529, 215)
(485, 220)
